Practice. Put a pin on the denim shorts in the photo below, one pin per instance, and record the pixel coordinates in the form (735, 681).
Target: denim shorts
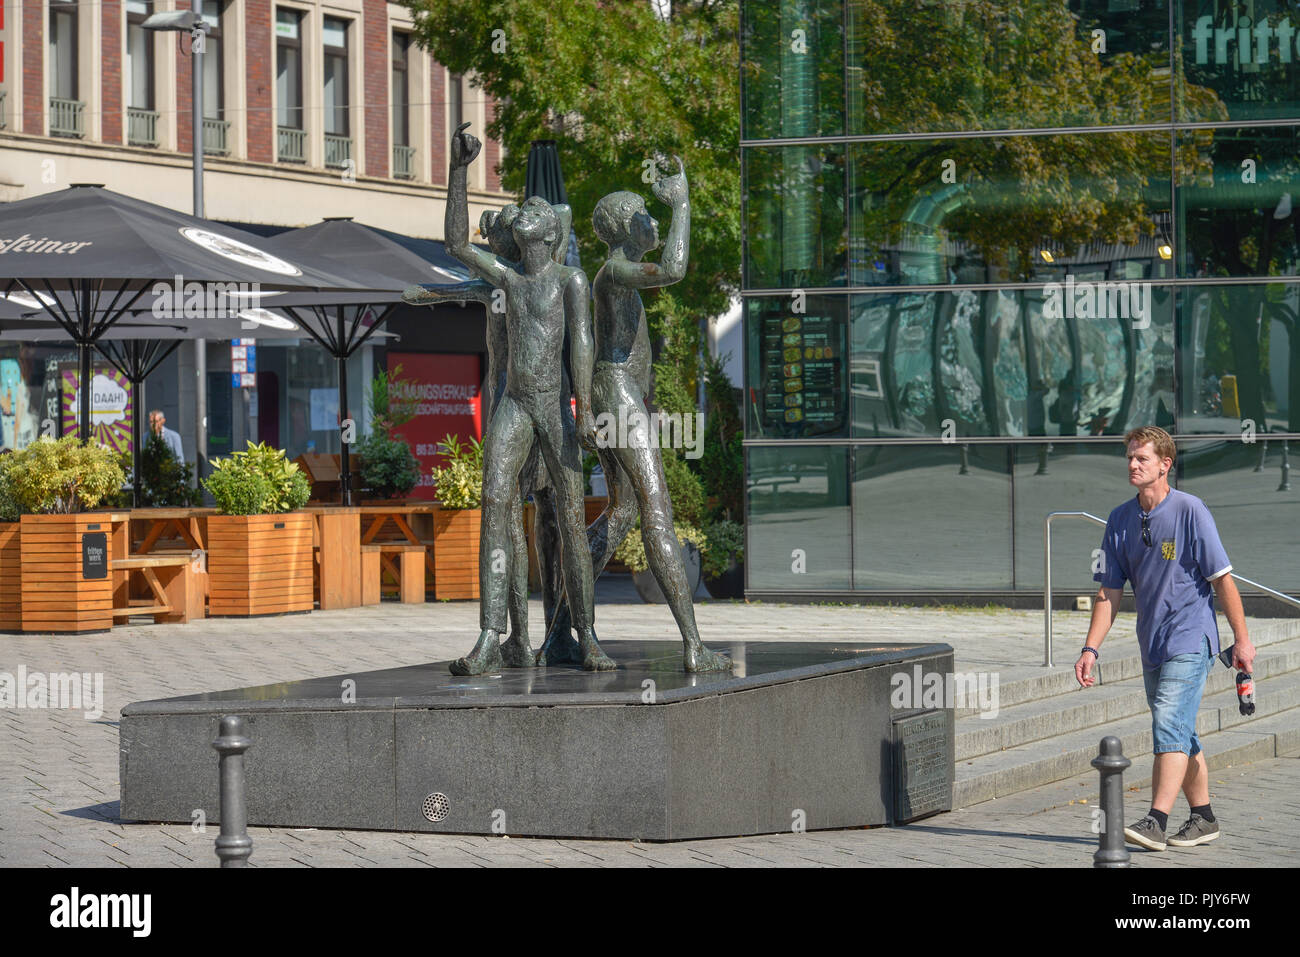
(1174, 696)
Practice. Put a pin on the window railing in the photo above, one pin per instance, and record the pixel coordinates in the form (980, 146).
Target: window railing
(141, 127)
(291, 145)
(404, 162)
(338, 150)
(215, 137)
(67, 117)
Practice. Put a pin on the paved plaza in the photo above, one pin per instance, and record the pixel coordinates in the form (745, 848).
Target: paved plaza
(59, 795)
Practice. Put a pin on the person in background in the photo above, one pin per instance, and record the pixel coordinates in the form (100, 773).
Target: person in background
(172, 439)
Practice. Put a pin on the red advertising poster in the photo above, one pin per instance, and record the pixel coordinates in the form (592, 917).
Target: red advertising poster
(445, 389)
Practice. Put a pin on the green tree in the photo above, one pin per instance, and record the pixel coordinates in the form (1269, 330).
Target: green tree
(614, 86)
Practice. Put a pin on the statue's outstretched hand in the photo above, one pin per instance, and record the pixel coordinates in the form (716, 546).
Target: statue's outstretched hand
(672, 189)
(464, 146)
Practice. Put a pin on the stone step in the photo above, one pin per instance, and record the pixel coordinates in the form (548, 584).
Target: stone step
(977, 735)
(1269, 736)
(1121, 661)
(1053, 759)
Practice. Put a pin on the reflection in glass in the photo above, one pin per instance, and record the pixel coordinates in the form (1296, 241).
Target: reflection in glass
(1239, 358)
(931, 517)
(1006, 208)
(1071, 477)
(1088, 356)
(792, 75)
(796, 367)
(929, 67)
(1257, 520)
(798, 520)
(1241, 61)
(1241, 219)
(794, 217)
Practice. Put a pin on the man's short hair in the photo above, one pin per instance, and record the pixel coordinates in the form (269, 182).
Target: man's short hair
(612, 215)
(1160, 440)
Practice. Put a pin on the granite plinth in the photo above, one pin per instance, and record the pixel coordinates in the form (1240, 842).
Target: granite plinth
(799, 735)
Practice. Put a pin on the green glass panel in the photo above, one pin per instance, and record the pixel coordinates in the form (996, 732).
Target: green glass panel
(798, 521)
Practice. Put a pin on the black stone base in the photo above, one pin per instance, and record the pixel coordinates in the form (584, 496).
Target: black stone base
(801, 735)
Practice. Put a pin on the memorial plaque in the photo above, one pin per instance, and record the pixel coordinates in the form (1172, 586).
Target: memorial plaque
(923, 765)
(94, 555)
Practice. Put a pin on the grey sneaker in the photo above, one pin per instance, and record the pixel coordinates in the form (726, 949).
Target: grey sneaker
(1197, 830)
(1146, 833)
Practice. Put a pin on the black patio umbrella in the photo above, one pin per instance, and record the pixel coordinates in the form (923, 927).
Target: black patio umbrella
(344, 326)
(543, 177)
(95, 254)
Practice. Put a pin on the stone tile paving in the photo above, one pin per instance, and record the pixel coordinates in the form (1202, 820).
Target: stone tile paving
(58, 797)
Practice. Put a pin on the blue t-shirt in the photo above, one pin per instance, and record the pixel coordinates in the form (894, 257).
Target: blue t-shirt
(1171, 578)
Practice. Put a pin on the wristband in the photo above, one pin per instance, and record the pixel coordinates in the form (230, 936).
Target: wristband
(1095, 656)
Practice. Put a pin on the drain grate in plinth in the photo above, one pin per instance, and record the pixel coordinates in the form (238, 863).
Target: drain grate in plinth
(436, 806)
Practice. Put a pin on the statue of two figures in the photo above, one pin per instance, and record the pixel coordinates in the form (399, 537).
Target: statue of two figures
(534, 446)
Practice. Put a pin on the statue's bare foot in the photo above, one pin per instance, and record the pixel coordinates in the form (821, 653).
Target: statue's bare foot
(593, 659)
(559, 648)
(485, 658)
(516, 651)
(699, 658)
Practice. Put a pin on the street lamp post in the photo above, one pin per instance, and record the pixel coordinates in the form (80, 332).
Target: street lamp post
(191, 21)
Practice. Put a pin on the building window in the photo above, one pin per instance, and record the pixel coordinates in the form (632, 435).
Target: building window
(214, 99)
(67, 112)
(291, 137)
(338, 140)
(216, 128)
(141, 118)
(139, 57)
(403, 152)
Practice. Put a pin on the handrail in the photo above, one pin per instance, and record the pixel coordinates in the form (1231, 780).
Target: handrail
(1047, 575)
(1047, 579)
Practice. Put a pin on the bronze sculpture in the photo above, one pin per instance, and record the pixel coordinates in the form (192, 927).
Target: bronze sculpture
(620, 387)
(496, 226)
(543, 300)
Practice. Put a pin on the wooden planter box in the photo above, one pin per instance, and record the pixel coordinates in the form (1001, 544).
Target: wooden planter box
(11, 577)
(55, 594)
(260, 564)
(455, 552)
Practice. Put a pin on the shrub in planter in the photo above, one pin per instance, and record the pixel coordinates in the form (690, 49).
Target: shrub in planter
(456, 527)
(11, 583)
(62, 476)
(50, 482)
(631, 552)
(724, 562)
(259, 549)
(164, 479)
(388, 466)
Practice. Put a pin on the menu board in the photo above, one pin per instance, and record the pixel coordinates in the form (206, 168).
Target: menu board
(801, 374)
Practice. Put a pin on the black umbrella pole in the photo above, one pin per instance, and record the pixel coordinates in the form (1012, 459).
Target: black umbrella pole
(83, 407)
(345, 464)
(137, 390)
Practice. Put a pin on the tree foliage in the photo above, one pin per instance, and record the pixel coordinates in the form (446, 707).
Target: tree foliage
(614, 86)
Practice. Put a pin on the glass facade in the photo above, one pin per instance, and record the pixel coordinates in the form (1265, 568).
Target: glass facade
(983, 241)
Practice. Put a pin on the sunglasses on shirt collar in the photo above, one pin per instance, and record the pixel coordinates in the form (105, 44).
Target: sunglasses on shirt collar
(1146, 530)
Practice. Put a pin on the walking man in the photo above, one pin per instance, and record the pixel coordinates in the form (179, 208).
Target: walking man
(1165, 543)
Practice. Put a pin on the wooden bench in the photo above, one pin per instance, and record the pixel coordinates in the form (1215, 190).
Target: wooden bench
(176, 588)
(403, 561)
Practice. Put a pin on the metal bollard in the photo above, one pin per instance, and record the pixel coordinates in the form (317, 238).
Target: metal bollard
(1286, 471)
(1110, 761)
(234, 846)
